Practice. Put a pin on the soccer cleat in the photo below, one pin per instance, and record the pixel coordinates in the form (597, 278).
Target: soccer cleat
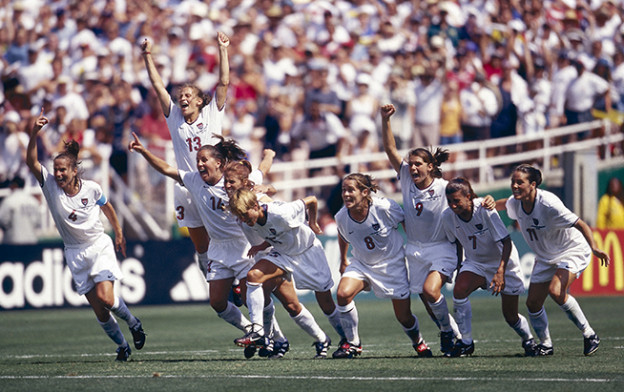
(542, 351)
(123, 353)
(422, 349)
(280, 349)
(447, 341)
(460, 349)
(235, 295)
(267, 348)
(321, 348)
(590, 344)
(249, 351)
(529, 347)
(348, 350)
(138, 335)
(252, 336)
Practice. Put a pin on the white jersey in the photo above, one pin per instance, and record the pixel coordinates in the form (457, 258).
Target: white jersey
(481, 236)
(423, 208)
(548, 229)
(77, 217)
(211, 201)
(188, 138)
(376, 238)
(285, 228)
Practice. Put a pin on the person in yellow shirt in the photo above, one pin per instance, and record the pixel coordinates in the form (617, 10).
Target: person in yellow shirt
(611, 206)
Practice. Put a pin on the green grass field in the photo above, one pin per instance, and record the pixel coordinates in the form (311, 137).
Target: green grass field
(189, 348)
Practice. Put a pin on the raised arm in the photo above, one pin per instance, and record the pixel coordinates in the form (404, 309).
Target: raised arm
(581, 226)
(267, 161)
(111, 215)
(31, 150)
(224, 69)
(388, 138)
(312, 206)
(157, 163)
(157, 83)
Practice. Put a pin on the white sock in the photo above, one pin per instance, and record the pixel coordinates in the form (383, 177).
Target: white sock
(349, 320)
(121, 310)
(233, 316)
(414, 332)
(271, 327)
(113, 331)
(334, 320)
(441, 312)
(306, 321)
(522, 328)
(255, 304)
(575, 313)
(539, 321)
(463, 317)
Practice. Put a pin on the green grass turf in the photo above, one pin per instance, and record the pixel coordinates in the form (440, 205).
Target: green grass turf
(189, 348)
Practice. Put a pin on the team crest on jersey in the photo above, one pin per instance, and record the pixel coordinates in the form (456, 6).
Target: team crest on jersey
(200, 125)
(431, 192)
(84, 201)
(272, 231)
(536, 224)
(479, 226)
(376, 226)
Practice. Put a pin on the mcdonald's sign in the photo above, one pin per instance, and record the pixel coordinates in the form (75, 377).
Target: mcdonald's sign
(598, 280)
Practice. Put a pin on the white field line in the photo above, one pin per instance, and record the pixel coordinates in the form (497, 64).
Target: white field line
(323, 378)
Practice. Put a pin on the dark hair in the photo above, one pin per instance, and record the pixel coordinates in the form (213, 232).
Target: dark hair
(619, 194)
(435, 157)
(227, 150)
(362, 181)
(534, 174)
(205, 97)
(462, 185)
(72, 148)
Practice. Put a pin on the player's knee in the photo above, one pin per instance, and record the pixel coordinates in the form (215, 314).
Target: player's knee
(218, 305)
(255, 276)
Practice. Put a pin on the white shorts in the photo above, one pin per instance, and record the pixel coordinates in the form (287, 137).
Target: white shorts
(387, 279)
(228, 259)
(309, 269)
(93, 263)
(421, 260)
(575, 263)
(513, 275)
(185, 210)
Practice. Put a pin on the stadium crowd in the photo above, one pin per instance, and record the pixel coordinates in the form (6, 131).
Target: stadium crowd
(306, 77)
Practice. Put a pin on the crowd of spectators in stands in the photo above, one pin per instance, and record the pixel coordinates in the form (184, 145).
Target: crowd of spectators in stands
(306, 76)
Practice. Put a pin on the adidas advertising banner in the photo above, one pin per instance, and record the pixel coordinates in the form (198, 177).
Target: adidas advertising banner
(155, 272)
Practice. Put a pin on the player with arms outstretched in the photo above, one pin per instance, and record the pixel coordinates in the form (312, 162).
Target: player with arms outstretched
(75, 205)
(563, 245)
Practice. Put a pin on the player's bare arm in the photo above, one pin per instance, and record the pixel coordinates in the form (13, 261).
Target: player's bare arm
(31, 151)
(388, 137)
(160, 165)
(154, 76)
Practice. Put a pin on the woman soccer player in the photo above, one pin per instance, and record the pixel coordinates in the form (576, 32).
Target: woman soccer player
(75, 205)
(370, 225)
(192, 125)
(295, 252)
(431, 259)
(491, 260)
(239, 175)
(226, 257)
(563, 245)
